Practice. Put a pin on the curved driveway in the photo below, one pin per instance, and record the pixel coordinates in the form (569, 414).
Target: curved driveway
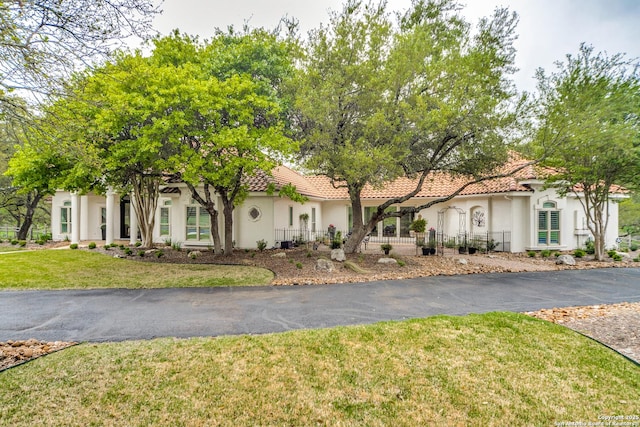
(123, 314)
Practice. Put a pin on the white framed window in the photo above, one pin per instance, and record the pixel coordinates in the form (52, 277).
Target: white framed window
(313, 219)
(198, 224)
(290, 216)
(165, 218)
(255, 214)
(549, 224)
(65, 217)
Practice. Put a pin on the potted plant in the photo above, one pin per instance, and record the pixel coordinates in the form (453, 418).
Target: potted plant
(419, 225)
(386, 247)
(432, 246)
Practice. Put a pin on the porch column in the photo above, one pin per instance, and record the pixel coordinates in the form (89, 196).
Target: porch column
(133, 222)
(110, 212)
(84, 219)
(75, 218)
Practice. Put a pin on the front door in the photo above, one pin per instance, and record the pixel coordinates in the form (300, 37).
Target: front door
(125, 219)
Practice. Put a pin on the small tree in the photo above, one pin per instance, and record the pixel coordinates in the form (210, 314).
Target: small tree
(588, 127)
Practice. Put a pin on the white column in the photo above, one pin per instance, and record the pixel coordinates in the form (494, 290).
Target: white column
(75, 218)
(110, 213)
(84, 218)
(133, 222)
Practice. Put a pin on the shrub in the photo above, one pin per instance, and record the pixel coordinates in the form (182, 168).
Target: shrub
(299, 265)
(128, 251)
(546, 253)
(176, 246)
(92, 245)
(167, 242)
(138, 244)
(633, 247)
(531, 254)
(617, 257)
(611, 253)
(121, 247)
(636, 259)
(556, 254)
(40, 242)
(386, 247)
(159, 254)
(22, 243)
(579, 253)
(140, 253)
(14, 241)
(107, 247)
(590, 247)
(308, 254)
(261, 244)
(336, 243)
(73, 246)
(401, 263)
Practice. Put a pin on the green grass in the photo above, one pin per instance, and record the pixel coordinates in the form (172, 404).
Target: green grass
(67, 269)
(15, 248)
(481, 370)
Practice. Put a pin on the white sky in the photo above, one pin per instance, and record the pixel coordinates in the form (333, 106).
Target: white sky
(548, 29)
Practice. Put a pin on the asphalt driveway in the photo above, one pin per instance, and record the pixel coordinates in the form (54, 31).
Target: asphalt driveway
(123, 314)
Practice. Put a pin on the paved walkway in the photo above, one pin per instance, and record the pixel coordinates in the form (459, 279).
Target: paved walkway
(122, 314)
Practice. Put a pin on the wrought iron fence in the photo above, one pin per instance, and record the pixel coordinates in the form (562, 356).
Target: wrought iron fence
(35, 233)
(495, 241)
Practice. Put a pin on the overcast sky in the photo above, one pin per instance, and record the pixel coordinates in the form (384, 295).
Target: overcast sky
(548, 29)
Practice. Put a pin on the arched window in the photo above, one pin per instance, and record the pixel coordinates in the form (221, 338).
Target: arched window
(549, 224)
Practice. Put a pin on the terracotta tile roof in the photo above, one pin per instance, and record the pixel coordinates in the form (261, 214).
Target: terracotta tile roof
(437, 184)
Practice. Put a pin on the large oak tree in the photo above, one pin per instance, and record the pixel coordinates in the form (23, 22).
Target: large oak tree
(383, 96)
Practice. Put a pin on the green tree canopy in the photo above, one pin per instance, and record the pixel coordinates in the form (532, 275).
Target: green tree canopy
(588, 126)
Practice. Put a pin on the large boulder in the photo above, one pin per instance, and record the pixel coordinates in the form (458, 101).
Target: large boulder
(565, 260)
(387, 261)
(323, 264)
(338, 255)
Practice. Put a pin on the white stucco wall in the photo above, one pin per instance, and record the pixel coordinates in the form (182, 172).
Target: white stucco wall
(247, 230)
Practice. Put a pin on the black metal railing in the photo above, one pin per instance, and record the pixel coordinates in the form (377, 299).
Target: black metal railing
(495, 241)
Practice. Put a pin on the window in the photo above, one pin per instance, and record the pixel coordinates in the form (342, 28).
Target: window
(165, 218)
(548, 224)
(290, 216)
(405, 223)
(198, 224)
(65, 218)
(368, 213)
(255, 214)
(313, 219)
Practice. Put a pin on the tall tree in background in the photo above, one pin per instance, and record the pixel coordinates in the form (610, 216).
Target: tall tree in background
(589, 125)
(381, 99)
(43, 41)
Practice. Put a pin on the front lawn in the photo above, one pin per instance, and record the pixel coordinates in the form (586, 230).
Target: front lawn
(483, 370)
(69, 269)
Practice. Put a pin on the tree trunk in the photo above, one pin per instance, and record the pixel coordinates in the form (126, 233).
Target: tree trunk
(210, 206)
(360, 229)
(31, 205)
(146, 191)
(228, 226)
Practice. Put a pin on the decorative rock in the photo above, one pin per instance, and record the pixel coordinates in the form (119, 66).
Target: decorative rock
(194, 254)
(565, 260)
(324, 265)
(624, 255)
(463, 261)
(150, 251)
(387, 261)
(279, 255)
(338, 255)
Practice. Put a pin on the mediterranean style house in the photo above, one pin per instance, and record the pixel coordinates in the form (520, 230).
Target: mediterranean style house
(516, 213)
